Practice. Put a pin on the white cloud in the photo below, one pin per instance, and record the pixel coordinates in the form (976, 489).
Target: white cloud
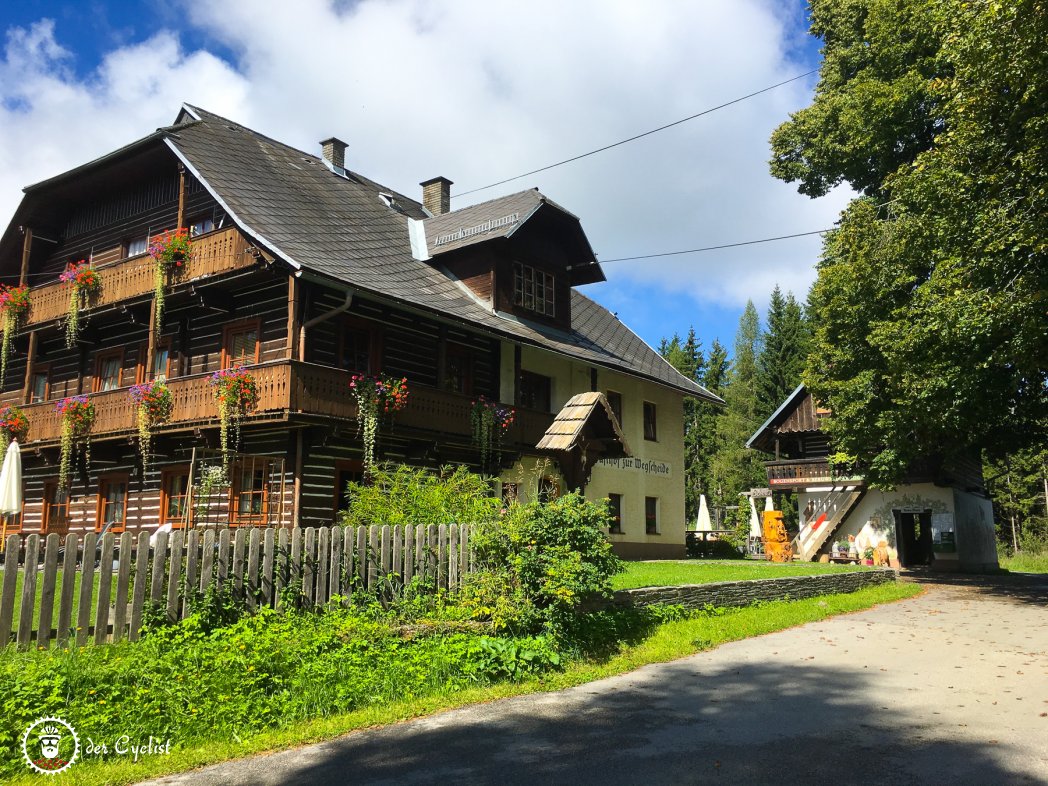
(478, 91)
(51, 121)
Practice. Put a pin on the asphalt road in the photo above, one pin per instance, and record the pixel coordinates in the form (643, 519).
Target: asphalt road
(950, 687)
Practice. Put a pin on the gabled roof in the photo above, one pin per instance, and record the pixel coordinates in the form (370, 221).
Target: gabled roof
(498, 218)
(339, 228)
(762, 437)
(582, 410)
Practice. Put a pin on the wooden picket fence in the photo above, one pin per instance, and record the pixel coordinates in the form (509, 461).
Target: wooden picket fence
(88, 589)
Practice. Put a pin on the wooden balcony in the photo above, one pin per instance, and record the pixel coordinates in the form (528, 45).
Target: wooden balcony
(221, 251)
(799, 473)
(284, 388)
(321, 390)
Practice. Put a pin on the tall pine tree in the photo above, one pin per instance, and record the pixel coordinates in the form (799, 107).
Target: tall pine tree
(783, 353)
(734, 468)
(686, 357)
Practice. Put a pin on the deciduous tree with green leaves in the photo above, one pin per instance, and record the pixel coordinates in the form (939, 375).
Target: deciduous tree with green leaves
(931, 304)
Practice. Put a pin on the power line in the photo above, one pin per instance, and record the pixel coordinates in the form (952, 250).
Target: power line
(641, 135)
(714, 248)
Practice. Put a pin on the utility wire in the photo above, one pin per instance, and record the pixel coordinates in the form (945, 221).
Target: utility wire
(641, 135)
(714, 248)
(654, 256)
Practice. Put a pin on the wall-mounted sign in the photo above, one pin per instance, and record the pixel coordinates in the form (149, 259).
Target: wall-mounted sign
(660, 469)
(942, 532)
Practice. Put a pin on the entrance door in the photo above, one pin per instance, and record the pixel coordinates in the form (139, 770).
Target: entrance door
(913, 534)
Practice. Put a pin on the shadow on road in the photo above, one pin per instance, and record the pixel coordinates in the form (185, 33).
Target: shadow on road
(1020, 587)
(751, 725)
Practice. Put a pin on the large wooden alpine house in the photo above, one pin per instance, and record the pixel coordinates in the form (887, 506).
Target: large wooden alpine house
(304, 273)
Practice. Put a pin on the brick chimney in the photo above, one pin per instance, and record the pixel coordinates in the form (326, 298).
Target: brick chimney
(334, 152)
(436, 195)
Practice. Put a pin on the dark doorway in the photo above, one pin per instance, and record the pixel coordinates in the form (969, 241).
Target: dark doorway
(913, 534)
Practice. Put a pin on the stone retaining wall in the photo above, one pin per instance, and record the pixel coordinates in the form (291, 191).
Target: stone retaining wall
(743, 593)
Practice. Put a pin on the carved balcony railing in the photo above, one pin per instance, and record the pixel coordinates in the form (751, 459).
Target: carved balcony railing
(221, 251)
(284, 388)
(192, 403)
(321, 390)
(805, 472)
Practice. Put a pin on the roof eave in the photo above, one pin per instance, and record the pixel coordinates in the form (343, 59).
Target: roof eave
(771, 419)
(229, 210)
(138, 144)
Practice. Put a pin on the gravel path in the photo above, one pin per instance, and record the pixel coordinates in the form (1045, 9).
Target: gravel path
(950, 687)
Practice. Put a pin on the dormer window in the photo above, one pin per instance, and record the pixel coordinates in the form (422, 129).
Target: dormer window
(533, 289)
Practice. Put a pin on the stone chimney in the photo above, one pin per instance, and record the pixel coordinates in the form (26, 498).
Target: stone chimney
(436, 195)
(333, 151)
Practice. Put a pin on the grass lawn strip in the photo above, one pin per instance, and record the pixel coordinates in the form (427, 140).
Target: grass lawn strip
(670, 641)
(1025, 562)
(671, 573)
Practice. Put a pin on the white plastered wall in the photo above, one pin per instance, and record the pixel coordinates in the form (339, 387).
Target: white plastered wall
(872, 521)
(655, 470)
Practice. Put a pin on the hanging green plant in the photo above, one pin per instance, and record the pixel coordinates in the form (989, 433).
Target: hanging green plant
(490, 421)
(237, 394)
(14, 305)
(170, 251)
(212, 478)
(376, 396)
(83, 282)
(77, 414)
(13, 425)
(152, 406)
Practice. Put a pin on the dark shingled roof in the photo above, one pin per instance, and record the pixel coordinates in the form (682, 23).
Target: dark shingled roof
(338, 226)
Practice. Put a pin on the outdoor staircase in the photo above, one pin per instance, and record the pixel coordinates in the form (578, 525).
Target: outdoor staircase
(830, 511)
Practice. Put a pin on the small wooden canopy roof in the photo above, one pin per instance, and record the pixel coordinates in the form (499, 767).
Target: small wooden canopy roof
(586, 417)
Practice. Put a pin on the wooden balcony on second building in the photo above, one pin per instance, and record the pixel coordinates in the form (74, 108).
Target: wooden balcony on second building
(799, 473)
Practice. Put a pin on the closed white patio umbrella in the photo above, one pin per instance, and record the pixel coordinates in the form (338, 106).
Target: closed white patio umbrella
(10, 486)
(703, 524)
(755, 521)
(769, 504)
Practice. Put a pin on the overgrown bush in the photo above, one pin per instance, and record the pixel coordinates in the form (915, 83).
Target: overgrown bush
(398, 494)
(538, 562)
(194, 683)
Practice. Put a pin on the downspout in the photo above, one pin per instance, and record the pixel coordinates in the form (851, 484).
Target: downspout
(322, 318)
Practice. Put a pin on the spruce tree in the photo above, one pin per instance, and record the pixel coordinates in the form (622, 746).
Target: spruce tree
(735, 468)
(784, 351)
(686, 357)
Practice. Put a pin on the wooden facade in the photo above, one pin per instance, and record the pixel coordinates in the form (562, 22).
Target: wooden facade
(301, 330)
(303, 431)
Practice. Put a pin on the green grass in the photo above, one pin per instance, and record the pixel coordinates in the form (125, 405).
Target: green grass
(19, 581)
(675, 572)
(668, 642)
(1025, 562)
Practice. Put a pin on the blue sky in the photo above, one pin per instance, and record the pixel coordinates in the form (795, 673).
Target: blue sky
(476, 94)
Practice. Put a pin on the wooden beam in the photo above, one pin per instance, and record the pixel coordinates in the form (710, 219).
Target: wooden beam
(30, 358)
(293, 320)
(181, 196)
(151, 350)
(516, 375)
(442, 356)
(81, 365)
(296, 508)
(27, 245)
